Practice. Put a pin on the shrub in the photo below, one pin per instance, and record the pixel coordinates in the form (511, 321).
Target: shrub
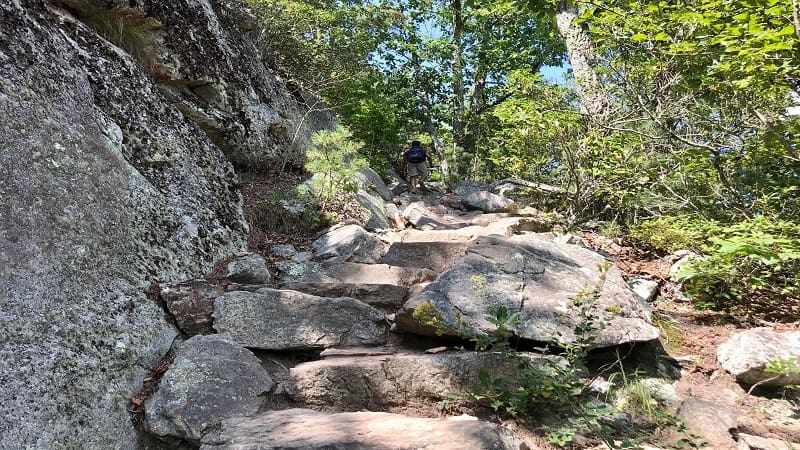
(750, 267)
(334, 160)
(669, 234)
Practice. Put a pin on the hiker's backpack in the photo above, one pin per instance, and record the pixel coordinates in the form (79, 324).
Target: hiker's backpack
(416, 155)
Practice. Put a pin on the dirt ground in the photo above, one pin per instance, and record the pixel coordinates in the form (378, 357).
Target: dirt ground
(689, 335)
(692, 336)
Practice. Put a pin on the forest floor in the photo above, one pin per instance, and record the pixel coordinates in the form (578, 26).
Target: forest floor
(688, 334)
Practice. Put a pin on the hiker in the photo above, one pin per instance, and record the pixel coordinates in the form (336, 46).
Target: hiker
(414, 165)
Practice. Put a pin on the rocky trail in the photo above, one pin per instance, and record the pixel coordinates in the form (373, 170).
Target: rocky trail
(328, 349)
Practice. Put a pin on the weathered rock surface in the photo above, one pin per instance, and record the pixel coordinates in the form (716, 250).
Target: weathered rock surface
(420, 216)
(274, 319)
(435, 256)
(209, 68)
(283, 250)
(714, 424)
(353, 273)
(348, 243)
(378, 216)
(375, 382)
(531, 275)
(746, 354)
(250, 269)
(486, 201)
(467, 187)
(368, 180)
(762, 443)
(378, 295)
(307, 429)
(191, 304)
(646, 289)
(211, 379)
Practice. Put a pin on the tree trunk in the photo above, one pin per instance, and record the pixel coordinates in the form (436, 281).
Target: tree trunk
(457, 67)
(582, 57)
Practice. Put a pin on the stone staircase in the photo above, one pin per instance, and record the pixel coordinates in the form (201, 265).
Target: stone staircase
(372, 373)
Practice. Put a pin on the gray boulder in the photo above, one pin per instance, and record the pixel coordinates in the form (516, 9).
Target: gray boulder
(486, 201)
(250, 269)
(368, 180)
(348, 243)
(273, 319)
(540, 280)
(314, 430)
(646, 289)
(283, 250)
(746, 354)
(191, 304)
(211, 379)
(355, 383)
(374, 205)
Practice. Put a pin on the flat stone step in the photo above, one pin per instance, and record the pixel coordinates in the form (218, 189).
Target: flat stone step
(272, 319)
(308, 429)
(354, 273)
(378, 295)
(377, 382)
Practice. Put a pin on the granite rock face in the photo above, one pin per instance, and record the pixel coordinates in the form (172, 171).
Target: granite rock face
(106, 186)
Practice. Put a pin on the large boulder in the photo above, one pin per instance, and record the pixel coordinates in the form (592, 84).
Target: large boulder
(540, 280)
(314, 430)
(211, 379)
(105, 187)
(714, 424)
(274, 319)
(746, 355)
(348, 243)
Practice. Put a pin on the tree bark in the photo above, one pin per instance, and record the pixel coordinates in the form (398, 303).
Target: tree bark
(582, 58)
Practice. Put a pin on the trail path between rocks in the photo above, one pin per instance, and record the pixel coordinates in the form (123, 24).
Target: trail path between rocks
(349, 365)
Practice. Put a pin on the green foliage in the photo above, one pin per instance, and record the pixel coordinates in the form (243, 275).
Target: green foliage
(334, 160)
(669, 234)
(752, 265)
(784, 367)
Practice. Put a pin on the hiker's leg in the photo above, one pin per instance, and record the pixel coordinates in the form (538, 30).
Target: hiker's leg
(422, 170)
